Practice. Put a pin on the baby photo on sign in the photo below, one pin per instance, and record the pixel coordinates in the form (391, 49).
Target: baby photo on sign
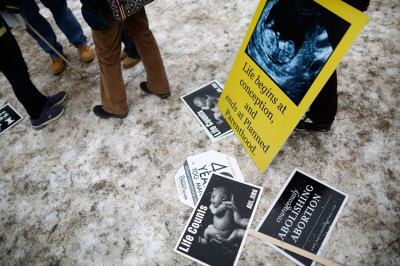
(217, 229)
(203, 103)
(292, 41)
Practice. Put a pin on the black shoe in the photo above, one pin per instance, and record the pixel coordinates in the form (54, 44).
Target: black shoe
(144, 88)
(99, 111)
(307, 124)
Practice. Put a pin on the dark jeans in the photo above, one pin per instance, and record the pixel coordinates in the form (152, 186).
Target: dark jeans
(130, 47)
(13, 65)
(324, 107)
(64, 18)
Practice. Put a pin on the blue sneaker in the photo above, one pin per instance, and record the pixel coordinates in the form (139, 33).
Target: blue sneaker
(47, 115)
(56, 99)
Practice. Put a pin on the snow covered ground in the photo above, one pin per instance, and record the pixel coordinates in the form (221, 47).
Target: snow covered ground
(102, 192)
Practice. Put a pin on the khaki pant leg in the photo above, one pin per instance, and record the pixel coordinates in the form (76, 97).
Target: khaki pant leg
(108, 49)
(138, 29)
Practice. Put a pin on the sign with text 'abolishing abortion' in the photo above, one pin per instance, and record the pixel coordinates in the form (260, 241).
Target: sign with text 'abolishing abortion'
(303, 215)
(289, 52)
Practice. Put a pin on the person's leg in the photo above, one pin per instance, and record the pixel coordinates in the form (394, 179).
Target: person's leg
(210, 232)
(129, 56)
(41, 109)
(70, 26)
(108, 48)
(237, 234)
(66, 21)
(138, 29)
(14, 68)
(30, 12)
(130, 47)
(323, 109)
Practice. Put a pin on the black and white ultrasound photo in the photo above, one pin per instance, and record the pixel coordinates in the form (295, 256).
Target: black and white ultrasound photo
(290, 43)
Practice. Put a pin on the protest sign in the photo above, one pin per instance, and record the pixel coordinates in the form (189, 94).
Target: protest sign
(193, 176)
(216, 232)
(203, 104)
(303, 215)
(8, 117)
(287, 55)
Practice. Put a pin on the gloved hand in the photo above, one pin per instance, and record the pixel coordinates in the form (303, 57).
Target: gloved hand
(11, 6)
(93, 16)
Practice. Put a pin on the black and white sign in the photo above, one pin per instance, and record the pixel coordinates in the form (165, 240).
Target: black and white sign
(303, 214)
(203, 103)
(8, 117)
(217, 229)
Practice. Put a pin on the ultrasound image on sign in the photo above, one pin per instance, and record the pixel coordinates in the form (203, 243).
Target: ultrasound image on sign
(292, 42)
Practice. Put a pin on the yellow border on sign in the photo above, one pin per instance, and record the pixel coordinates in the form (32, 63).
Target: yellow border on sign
(262, 131)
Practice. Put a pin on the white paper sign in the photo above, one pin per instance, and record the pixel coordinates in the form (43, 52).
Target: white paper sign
(193, 176)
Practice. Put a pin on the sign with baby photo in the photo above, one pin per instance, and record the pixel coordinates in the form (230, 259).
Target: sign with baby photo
(289, 52)
(8, 117)
(203, 104)
(217, 229)
(303, 215)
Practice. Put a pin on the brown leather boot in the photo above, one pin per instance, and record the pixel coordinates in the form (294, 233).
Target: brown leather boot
(129, 62)
(57, 65)
(123, 55)
(86, 53)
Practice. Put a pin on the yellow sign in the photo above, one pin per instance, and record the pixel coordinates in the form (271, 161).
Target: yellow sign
(289, 52)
